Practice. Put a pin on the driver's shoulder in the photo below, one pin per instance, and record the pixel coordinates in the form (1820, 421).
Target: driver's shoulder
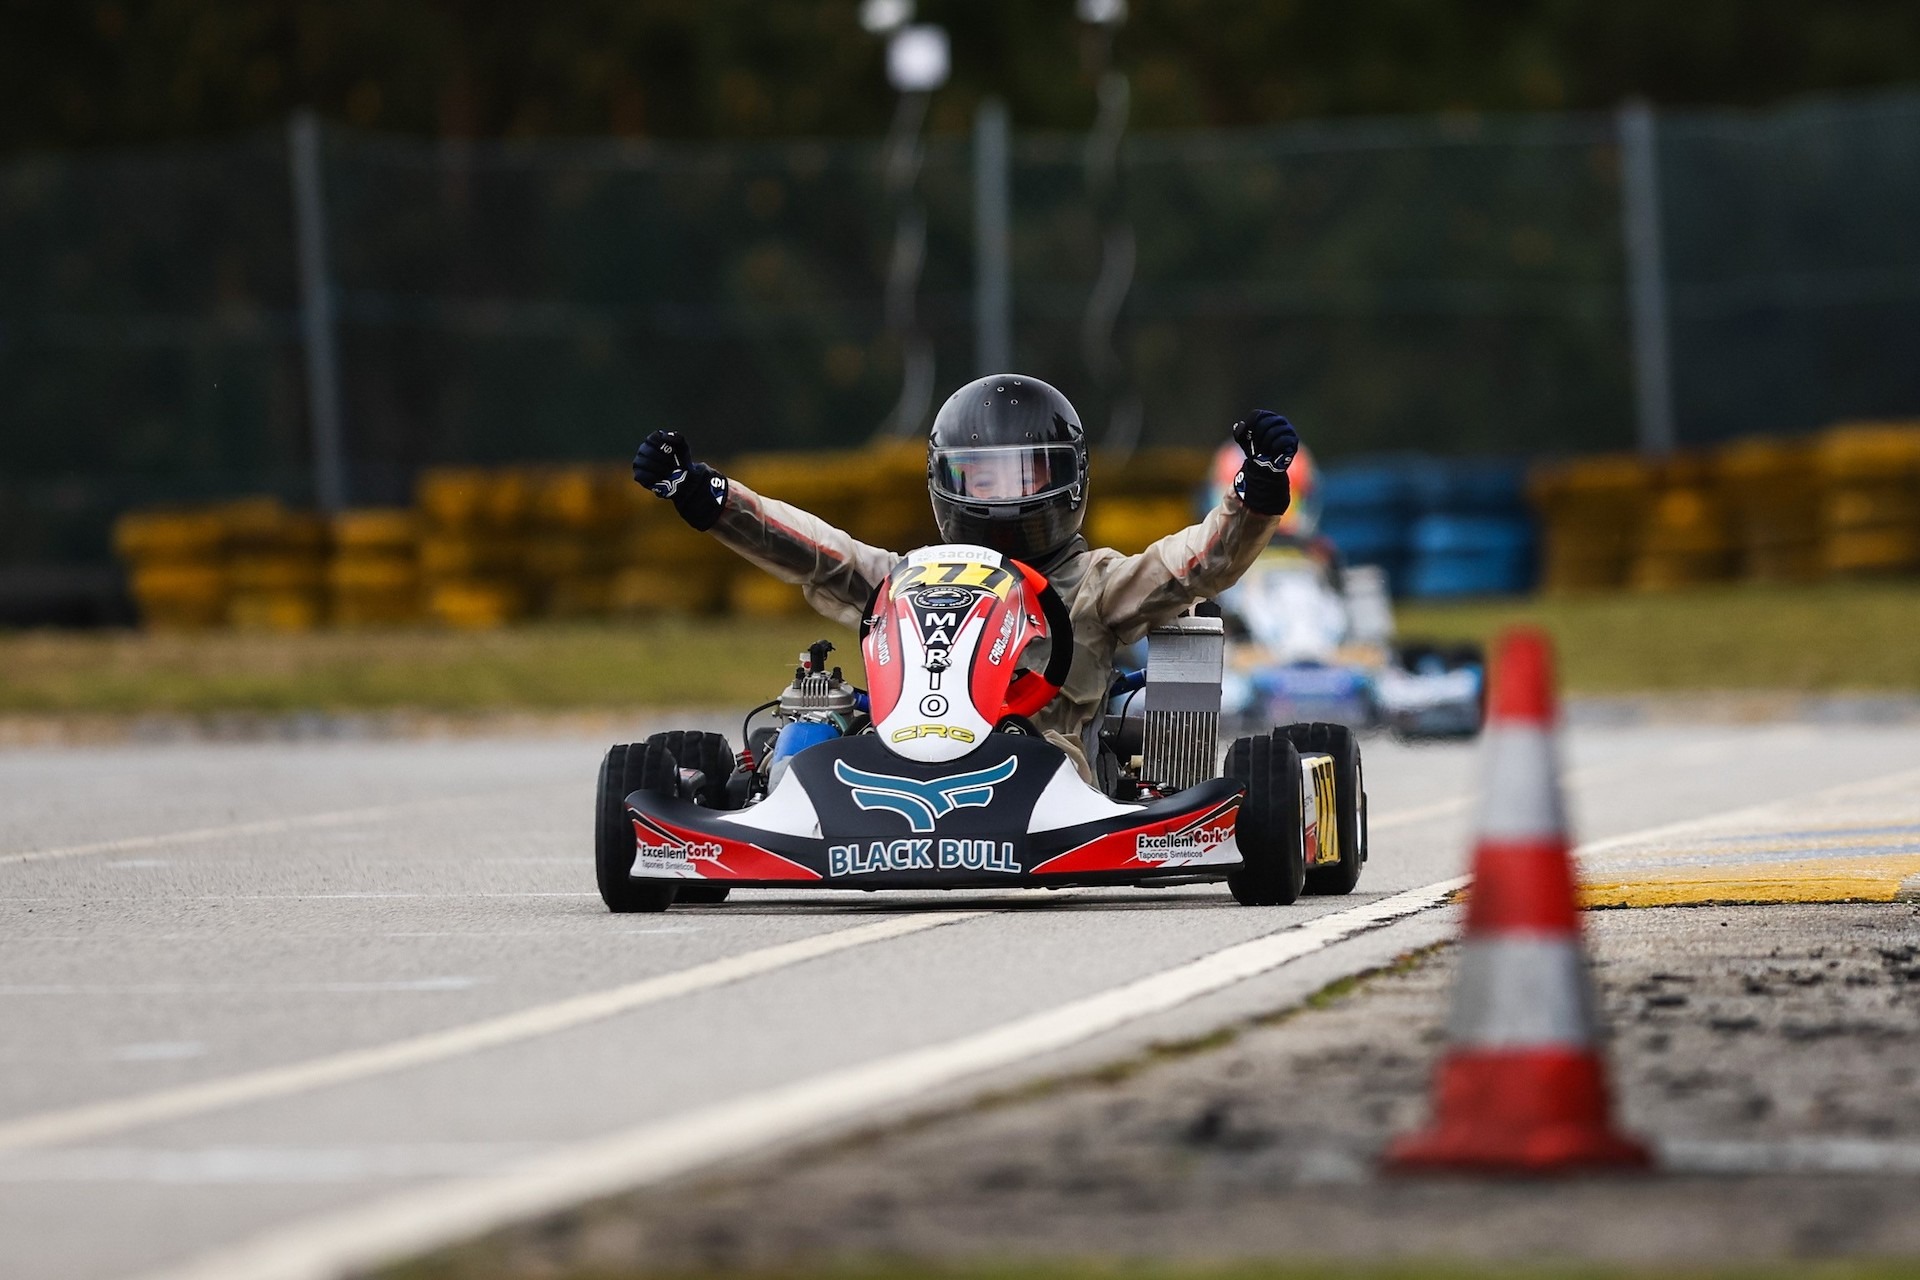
(1105, 563)
(1097, 570)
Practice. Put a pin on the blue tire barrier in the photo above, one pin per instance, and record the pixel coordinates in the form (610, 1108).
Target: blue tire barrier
(1377, 490)
(1438, 526)
(1470, 556)
(1362, 538)
(1371, 540)
(1367, 510)
(1462, 487)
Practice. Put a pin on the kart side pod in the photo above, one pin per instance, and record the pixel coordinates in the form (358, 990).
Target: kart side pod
(1185, 662)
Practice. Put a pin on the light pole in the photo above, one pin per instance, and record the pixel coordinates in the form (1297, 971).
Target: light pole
(1646, 277)
(1118, 249)
(317, 312)
(918, 59)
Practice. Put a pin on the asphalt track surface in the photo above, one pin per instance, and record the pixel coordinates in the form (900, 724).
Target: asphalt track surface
(269, 1009)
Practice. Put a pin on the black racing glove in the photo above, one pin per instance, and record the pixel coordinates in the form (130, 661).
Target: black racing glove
(1270, 442)
(663, 464)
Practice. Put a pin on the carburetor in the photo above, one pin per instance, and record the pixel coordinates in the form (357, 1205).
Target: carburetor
(817, 693)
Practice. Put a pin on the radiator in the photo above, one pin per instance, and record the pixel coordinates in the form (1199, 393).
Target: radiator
(1185, 660)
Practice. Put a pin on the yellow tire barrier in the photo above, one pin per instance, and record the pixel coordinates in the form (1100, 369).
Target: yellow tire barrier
(467, 555)
(1773, 503)
(1685, 538)
(368, 609)
(1870, 515)
(548, 556)
(275, 571)
(646, 592)
(756, 595)
(1158, 472)
(580, 595)
(474, 605)
(179, 596)
(581, 499)
(1872, 551)
(147, 536)
(373, 573)
(1591, 511)
(282, 611)
(386, 530)
(1130, 525)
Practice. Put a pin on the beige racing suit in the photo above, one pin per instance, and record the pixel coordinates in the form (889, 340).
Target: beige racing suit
(1114, 599)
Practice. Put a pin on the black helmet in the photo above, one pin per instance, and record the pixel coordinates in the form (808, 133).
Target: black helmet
(1007, 467)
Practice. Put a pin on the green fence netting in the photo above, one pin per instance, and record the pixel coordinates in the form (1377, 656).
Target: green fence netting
(1452, 284)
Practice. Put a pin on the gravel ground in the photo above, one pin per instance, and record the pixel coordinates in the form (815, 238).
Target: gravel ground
(1762, 1025)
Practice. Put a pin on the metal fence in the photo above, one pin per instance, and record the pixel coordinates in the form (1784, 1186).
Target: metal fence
(1457, 284)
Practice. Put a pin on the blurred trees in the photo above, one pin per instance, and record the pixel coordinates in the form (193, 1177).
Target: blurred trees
(106, 72)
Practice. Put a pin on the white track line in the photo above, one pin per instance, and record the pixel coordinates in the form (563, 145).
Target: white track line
(1569, 780)
(1789, 806)
(266, 826)
(325, 1247)
(49, 1128)
(1686, 826)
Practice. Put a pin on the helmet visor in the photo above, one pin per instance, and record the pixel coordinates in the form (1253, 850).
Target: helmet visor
(1005, 473)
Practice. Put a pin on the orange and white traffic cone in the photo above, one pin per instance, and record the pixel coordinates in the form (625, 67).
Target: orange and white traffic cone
(1522, 1088)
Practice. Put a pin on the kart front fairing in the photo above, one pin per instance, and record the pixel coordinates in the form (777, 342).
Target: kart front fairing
(850, 814)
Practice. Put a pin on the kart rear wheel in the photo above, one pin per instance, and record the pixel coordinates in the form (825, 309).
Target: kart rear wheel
(1412, 655)
(627, 769)
(1472, 655)
(1349, 797)
(1269, 828)
(712, 755)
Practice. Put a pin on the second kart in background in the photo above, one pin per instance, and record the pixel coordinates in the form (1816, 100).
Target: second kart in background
(1312, 638)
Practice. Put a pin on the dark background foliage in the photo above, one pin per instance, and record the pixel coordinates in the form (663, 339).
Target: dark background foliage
(75, 72)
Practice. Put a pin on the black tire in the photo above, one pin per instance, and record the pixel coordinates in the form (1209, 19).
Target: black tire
(1411, 655)
(1471, 655)
(1349, 798)
(712, 755)
(1269, 828)
(707, 752)
(625, 770)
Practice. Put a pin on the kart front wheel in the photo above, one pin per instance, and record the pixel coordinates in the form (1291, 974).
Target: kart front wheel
(1270, 829)
(1349, 820)
(627, 769)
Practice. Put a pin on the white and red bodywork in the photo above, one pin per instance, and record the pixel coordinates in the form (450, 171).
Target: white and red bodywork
(938, 795)
(942, 653)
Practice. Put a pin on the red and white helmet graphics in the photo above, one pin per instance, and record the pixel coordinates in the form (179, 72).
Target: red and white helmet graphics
(948, 627)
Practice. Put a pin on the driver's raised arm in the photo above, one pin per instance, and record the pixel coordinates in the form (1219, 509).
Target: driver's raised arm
(1143, 591)
(836, 572)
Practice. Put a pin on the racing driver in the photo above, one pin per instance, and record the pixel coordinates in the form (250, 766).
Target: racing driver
(1007, 469)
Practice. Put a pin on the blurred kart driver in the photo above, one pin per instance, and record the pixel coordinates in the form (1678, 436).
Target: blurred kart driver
(1007, 469)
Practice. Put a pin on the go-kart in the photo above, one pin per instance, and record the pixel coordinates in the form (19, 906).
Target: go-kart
(935, 777)
(1310, 641)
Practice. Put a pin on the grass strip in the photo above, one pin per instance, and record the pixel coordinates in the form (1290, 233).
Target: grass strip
(1831, 637)
(695, 662)
(1825, 638)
